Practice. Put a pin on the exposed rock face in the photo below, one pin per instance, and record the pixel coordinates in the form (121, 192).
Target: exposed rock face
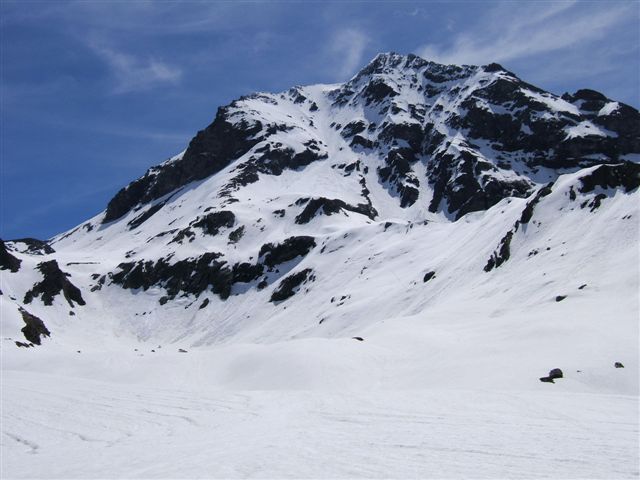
(34, 328)
(621, 118)
(288, 287)
(518, 123)
(556, 373)
(527, 213)
(236, 235)
(54, 282)
(400, 176)
(326, 206)
(273, 159)
(246, 272)
(146, 215)
(460, 182)
(503, 252)
(34, 246)
(212, 223)
(210, 151)
(8, 261)
(553, 375)
(429, 276)
(208, 272)
(291, 248)
(191, 276)
(623, 175)
(209, 224)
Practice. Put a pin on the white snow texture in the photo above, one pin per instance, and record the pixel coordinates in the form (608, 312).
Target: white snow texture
(445, 382)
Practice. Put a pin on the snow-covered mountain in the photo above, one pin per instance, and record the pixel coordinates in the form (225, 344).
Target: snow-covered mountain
(469, 228)
(326, 209)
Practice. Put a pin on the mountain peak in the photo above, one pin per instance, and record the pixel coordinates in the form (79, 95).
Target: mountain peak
(449, 139)
(387, 61)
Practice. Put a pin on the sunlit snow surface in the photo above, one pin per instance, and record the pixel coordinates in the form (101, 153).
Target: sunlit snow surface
(445, 383)
(61, 427)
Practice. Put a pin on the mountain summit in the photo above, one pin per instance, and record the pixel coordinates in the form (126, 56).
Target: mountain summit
(413, 189)
(454, 139)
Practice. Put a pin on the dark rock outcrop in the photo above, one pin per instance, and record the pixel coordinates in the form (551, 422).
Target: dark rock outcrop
(206, 272)
(429, 276)
(189, 276)
(353, 128)
(624, 175)
(209, 151)
(146, 215)
(289, 285)
(273, 159)
(329, 206)
(553, 375)
(8, 261)
(461, 181)
(398, 173)
(502, 254)
(212, 223)
(246, 272)
(236, 235)
(289, 249)
(377, 90)
(54, 282)
(34, 328)
(35, 246)
(527, 213)
(209, 224)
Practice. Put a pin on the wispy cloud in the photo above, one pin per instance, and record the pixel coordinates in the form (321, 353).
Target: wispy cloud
(513, 31)
(133, 132)
(131, 73)
(113, 129)
(43, 210)
(347, 48)
(146, 17)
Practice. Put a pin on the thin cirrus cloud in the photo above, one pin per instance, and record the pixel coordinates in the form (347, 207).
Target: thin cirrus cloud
(527, 31)
(347, 47)
(134, 74)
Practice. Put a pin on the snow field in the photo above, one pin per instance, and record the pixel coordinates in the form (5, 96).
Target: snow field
(61, 427)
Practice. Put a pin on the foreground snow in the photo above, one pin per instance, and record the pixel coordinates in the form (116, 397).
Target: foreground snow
(311, 408)
(62, 427)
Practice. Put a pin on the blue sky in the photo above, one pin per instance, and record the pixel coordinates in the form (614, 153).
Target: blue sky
(95, 92)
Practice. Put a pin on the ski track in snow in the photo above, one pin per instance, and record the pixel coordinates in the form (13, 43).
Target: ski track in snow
(61, 427)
